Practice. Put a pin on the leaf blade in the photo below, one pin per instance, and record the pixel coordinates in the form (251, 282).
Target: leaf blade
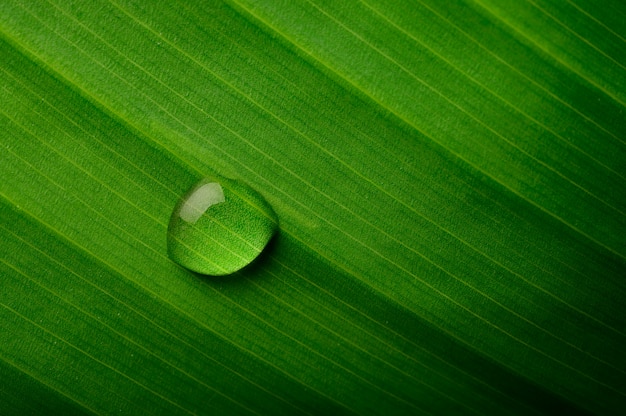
(427, 242)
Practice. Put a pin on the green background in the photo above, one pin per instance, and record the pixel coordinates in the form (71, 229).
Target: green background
(449, 177)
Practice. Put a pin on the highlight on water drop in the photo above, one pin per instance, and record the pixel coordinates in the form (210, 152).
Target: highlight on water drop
(220, 226)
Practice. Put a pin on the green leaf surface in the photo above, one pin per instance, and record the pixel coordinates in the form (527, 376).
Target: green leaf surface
(449, 178)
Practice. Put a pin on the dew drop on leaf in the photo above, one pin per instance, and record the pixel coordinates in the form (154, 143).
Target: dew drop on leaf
(219, 226)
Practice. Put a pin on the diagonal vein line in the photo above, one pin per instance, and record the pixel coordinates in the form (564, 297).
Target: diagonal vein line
(347, 341)
(96, 180)
(586, 13)
(143, 316)
(122, 336)
(39, 380)
(268, 324)
(142, 243)
(492, 92)
(381, 189)
(404, 269)
(76, 370)
(122, 157)
(358, 347)
(434, 185)
(515, 69)
(471, 247)
(216, 242)
(414, 126)
(366, 246)
(381, 325)
(113, 191)
(304, 136)
(164, 225)
(291, 270)
(157, 296)
(299, 342)
(85, 353)
(556, 58)
(573, 32)
(457, 106)
(409, 207)
(118, 172)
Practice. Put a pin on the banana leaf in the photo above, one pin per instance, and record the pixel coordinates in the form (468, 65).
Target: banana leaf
(449, 180)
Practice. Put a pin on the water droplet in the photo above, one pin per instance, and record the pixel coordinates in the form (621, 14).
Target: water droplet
(219, 227)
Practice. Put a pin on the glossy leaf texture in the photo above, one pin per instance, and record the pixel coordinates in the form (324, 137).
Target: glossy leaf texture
(449, 179)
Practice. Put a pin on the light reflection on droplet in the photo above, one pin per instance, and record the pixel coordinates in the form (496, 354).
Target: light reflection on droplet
(219, 227)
